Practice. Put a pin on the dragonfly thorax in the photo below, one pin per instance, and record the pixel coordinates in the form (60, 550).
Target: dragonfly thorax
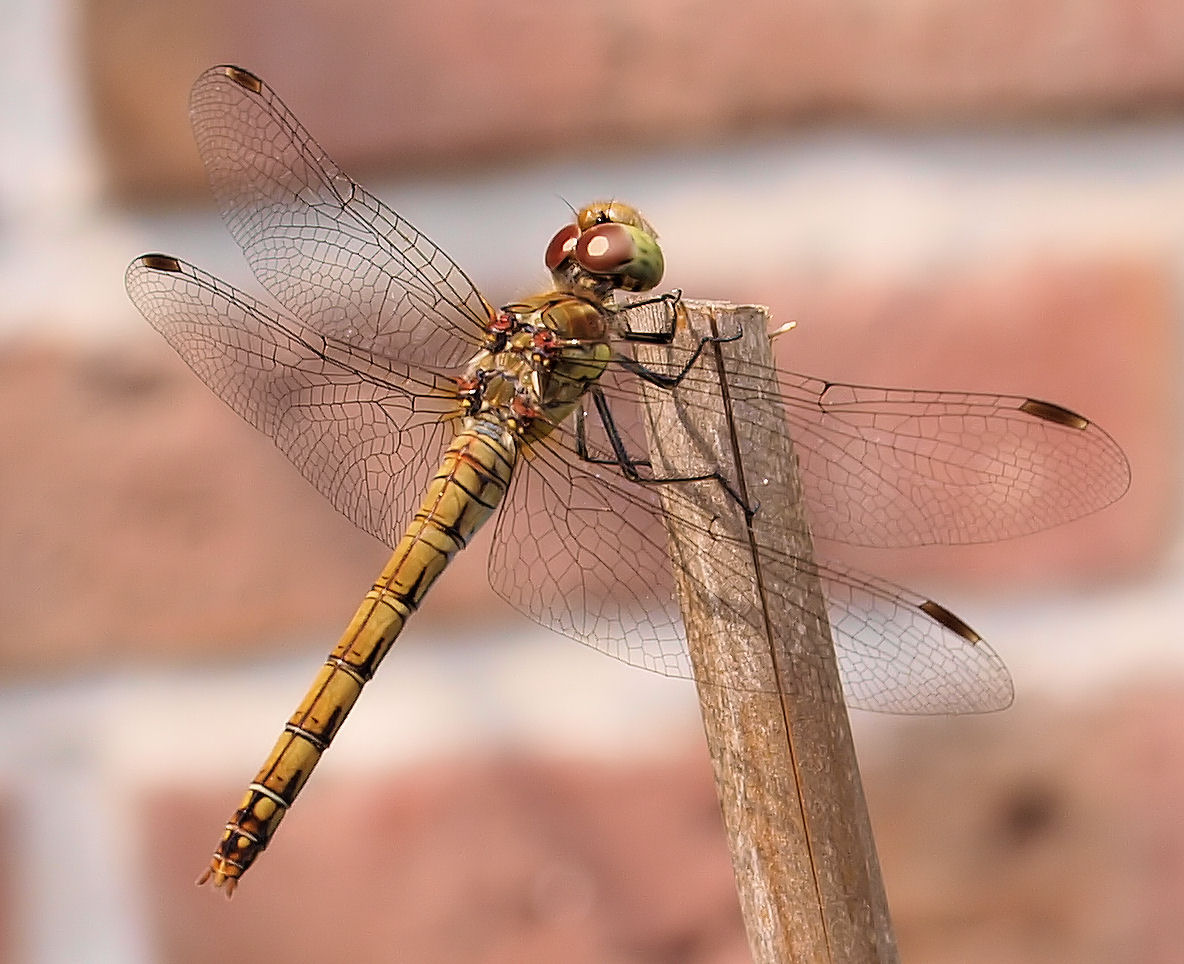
(540, 356)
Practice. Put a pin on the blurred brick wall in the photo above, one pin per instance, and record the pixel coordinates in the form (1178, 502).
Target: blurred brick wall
(182, 510)
(1005, 839)
(423, 85)
(141, 519)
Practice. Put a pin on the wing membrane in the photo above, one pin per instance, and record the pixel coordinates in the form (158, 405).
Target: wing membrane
(583, 552)
(328, 250)
(359, 395)
(366, 432)
(897, 467)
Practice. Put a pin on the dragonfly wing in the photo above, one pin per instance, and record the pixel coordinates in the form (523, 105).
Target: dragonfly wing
(899, 652)
(588, 560)
(582, 550)
(328, 250)
(365, 431)
(896, 467)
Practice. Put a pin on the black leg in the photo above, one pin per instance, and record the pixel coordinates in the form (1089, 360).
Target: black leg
(671, 381)
(664, 337)
(586, 455)
(629, 466)
(660, 379)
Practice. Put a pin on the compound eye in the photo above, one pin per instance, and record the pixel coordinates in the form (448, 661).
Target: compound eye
(605, 248)
(562, 246)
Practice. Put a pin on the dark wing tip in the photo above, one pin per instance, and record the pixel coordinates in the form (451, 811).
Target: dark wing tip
(158, 262)
(244, 78)
(939, 613)
(1056, 414)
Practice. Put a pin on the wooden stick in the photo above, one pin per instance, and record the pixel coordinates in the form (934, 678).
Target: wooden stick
(777, 727)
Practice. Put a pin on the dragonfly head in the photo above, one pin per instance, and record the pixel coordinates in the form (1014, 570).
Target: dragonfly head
(609, 246)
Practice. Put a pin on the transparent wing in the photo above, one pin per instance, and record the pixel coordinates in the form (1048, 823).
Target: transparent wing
(367, 432)
(897, 467)
(586, 556)
(328, 250)
(582, 551)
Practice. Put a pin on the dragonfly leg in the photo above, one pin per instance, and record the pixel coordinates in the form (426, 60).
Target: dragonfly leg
(663, 379)
(630, 467)
(661, 337)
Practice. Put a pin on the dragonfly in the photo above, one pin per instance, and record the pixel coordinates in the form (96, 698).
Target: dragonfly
(421, 411)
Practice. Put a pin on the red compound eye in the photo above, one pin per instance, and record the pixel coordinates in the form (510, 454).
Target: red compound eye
(561, 246)
(605, 248)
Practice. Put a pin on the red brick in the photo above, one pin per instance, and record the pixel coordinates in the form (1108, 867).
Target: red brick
(423, 85)
(1037, 835)
(142, 515)
(1093, 333)
(1046, 834)
(518, 861)
(10, 879)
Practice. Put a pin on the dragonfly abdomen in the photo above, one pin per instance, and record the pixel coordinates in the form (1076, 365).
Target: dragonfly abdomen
(473, 477)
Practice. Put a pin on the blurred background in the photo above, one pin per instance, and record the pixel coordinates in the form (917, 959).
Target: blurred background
(952, 195)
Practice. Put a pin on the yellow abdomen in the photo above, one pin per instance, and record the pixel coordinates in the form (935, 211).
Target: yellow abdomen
(474, 475)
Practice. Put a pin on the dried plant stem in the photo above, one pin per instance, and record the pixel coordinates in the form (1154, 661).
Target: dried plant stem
(785, 767)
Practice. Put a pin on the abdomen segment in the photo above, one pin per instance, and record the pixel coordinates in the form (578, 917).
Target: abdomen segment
(472, 481)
